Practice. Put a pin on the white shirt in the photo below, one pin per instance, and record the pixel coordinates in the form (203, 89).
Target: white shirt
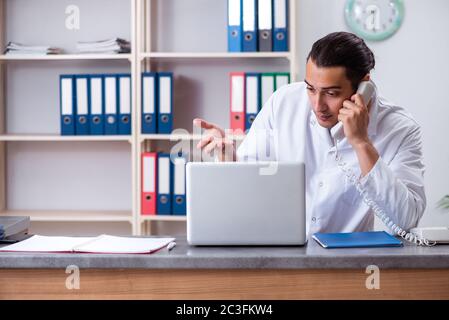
(286, 129)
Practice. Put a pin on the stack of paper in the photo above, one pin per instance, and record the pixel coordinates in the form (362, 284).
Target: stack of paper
(115, 45)
(100, 244)
(19, 48)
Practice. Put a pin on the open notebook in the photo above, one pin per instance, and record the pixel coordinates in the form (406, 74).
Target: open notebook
(101, 244)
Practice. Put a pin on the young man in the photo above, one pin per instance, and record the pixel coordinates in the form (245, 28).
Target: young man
(380, 142)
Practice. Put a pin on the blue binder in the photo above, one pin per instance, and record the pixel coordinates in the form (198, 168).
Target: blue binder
(252, 96)
(235, 28)
(250, 39)
(67, 104)
(165, 102)
(124, 103)
(356, 239)
(82, 105)
(179, 184)
(280, 37)
(149, 102)
(164, 183)
(96, 104)
(110, 104)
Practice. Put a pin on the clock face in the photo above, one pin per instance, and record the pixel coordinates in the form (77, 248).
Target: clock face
(374, 19)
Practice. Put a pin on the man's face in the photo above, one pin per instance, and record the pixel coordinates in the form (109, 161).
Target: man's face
(327, 88)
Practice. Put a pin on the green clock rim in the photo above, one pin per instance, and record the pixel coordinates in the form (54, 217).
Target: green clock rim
(369, 36)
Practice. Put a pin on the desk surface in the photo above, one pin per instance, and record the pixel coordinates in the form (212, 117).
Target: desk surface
(183, 256)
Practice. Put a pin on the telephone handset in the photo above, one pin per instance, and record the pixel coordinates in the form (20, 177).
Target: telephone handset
(366, 89)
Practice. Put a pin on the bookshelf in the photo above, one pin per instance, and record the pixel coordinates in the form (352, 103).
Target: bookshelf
(60, 57)
(196, 55)
(156, 53)
(96, 165)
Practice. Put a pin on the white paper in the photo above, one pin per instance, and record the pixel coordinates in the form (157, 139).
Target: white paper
(47, 244)
(113, 244)
(100, 244)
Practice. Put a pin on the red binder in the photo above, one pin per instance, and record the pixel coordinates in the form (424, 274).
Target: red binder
(237, 86)
(148, 183)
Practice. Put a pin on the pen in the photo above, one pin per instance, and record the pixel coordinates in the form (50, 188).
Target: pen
(171, 245)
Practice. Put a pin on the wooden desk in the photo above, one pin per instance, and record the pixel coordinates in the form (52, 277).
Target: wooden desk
(309, 272)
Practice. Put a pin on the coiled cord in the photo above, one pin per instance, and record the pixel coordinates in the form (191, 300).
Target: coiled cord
(408, 236)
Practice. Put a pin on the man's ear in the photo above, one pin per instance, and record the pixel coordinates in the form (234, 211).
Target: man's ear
(367, 77)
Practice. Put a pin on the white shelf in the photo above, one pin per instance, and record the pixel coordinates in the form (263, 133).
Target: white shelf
(214, 55)
(72, 216)
(162, 218)
(177, 137)
(55, 137)
(16, 57)
(174, 137)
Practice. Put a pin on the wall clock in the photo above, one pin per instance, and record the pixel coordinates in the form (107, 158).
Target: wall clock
(374, 20)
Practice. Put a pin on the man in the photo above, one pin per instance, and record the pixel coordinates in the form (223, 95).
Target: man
(380, 142)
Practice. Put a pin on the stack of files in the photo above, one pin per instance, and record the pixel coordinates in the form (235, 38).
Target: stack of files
(157, 102)
(163, 184)
(108, 46)
(257, 25)
(18, 48)
(95, 104)
(249, 92)
(101, 244)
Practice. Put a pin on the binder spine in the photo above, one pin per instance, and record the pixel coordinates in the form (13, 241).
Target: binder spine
(237, 86)
(67, 104)
(165, 102)
(280, 38)
(149, 102)
(96, 99)
(124, 103)
(82, 104)
(235, 29)
(250, 39)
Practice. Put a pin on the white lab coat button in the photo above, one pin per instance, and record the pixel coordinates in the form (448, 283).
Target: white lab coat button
(321, 184)
(313, 219)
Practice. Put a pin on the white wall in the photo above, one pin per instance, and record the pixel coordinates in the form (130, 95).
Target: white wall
(411, 69)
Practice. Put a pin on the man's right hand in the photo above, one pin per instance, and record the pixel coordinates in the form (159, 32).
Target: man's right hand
(214, 140)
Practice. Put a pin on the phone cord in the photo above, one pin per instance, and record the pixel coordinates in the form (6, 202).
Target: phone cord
(408, 236)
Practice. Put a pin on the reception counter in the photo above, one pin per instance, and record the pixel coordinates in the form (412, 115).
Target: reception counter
(187, 272)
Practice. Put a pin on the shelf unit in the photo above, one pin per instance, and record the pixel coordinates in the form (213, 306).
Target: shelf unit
(66, 215)
(143, 57)
(55, 137)
(147, 57)
(70, 57)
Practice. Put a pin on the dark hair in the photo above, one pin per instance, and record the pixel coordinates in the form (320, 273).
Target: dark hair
(344, 49)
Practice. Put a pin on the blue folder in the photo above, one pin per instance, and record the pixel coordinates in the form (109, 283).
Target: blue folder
(252, 98)
(356, 239)
(67, 102)
(235, 27)
(249, 22)
(165, 102)
(96, 104)
(149, 102)
(110, 104)
(124, 103)
(179, 184)
(280, 37)
(82, 104)
(164, 183)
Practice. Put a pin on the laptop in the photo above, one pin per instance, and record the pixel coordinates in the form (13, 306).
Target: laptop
(244, 203)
